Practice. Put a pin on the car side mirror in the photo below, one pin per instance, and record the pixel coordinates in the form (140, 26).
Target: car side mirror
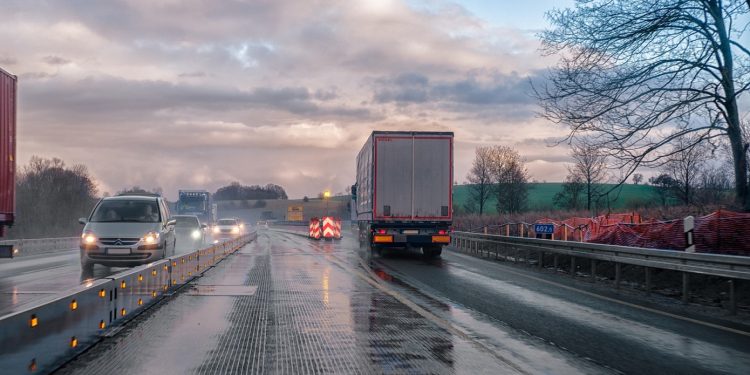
(82, 220)
(171, 222)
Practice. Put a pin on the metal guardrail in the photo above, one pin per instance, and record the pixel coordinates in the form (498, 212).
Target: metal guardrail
(533, 251)
(44, 335)
(35, 246)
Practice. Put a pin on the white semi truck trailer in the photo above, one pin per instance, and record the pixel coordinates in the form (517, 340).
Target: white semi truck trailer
(404, 190)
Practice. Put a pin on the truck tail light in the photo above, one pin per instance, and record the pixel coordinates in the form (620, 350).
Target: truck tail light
(442, 232)
(381, 231)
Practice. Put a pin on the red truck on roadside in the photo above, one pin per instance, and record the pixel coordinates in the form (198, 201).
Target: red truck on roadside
(8, 85)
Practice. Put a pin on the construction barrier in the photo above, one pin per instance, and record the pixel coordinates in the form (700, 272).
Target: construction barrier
(315, 231)
(331, 228)
(43, 336)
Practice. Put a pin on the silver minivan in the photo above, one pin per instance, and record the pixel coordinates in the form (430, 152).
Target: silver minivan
(126, 231)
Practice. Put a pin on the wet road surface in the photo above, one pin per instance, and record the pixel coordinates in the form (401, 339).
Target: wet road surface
(285, 304)
(36, 277)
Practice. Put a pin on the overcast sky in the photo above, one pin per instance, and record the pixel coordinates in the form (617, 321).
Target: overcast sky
(196, 94)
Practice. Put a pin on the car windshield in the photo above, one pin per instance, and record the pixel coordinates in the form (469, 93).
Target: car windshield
(186, 222)
(227, 222)
(123, 210)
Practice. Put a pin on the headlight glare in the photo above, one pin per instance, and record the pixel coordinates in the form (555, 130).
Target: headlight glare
(196, 234)
(216, 230)
(151, 238)
(236, 230)
(88, 238)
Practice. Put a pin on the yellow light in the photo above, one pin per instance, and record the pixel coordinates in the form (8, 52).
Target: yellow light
(73, 305)
(123, 285)
(174, 282)
(102, 293)
(123, 312)
(140, 302)
(140, 277)
(382, 239)
(326, 194)
(153, 294)
(441, 239)
(33, 322)
(174, 264)
(102, 325)
(73, 342)
(153, 273)
(165, 267)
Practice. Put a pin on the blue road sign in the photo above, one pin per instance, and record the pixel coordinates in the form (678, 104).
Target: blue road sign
(544, 228)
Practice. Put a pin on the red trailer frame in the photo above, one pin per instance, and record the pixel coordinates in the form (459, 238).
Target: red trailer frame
(8, 104)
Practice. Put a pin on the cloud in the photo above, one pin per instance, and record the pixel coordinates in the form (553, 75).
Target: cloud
(55, 60)
(260, 91)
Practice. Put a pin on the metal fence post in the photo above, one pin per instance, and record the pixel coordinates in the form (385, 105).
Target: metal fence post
(732, 298)
(593, 270)
(618, 275)
(685, 287)
(572, 266)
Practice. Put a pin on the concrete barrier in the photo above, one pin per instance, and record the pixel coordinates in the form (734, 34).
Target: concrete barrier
(41, 337)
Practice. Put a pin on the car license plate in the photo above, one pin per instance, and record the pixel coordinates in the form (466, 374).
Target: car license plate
(118, 251)
(411, 231)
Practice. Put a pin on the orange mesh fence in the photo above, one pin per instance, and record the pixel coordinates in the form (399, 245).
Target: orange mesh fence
(721, 232)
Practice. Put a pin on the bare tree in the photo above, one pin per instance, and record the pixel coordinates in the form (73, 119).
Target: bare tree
(510, 179)
(635, 75)
(590, 168)
(664, 186)
(685, 165)
(50, 196)
(570, 196)
(480, 178)
(637, 178)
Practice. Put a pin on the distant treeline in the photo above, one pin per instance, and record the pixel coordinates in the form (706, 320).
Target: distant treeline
(51, 196)
(235, 192)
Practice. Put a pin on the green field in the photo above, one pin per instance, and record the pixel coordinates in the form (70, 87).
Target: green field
(541, 196)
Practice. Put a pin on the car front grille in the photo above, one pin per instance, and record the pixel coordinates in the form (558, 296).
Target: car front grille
(119, 241)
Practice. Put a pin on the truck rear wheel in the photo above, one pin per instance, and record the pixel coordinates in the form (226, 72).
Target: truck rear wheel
(432, 251)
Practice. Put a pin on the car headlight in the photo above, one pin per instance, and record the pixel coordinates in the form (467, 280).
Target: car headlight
(150, 238)
(236, 230)
(88, 238)
(196, 234)
(216, 230)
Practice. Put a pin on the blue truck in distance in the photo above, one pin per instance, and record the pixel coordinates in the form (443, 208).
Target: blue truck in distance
(198, 203)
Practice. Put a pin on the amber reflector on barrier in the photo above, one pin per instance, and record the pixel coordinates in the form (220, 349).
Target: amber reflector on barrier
(102, 325)
(123, 285)
(140, 302)
(153, 294)
(33, 321)
(73, 342)
(73, 305)
(123, 312)
(32, 365)
(140, 277)
(153, 273)
(102, 293)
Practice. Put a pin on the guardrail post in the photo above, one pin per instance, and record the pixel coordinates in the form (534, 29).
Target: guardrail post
(507, 230)
(618, 274)
(565, 232)
(685, 287)
(648, 280)
(593, 270)
(554, 262)
(520, 229)
(573, 267)
(732, 298)
(688, 224)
